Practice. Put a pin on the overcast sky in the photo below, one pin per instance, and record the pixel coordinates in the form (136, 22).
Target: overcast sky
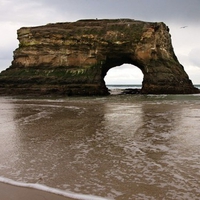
(175, 13)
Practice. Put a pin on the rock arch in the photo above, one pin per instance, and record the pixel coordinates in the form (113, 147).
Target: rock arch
(73, 58)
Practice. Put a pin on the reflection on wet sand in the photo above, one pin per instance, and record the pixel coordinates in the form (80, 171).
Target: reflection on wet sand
(131, 148)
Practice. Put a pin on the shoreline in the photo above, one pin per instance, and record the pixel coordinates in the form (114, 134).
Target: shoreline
(12, 192)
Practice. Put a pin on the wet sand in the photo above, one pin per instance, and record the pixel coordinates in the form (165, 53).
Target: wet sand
(11, 192)
(97, 148)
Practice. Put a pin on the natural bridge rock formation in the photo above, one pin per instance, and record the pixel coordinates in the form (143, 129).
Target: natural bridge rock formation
(73, 58)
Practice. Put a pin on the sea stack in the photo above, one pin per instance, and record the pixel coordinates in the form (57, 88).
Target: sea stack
(72, 58)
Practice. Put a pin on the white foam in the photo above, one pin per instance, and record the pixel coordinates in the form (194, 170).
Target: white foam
(51, 190)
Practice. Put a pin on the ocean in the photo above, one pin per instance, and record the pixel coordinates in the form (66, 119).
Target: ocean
(133, 86)
(119, 147)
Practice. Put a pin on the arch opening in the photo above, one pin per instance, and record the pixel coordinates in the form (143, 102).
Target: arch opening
(124, 77)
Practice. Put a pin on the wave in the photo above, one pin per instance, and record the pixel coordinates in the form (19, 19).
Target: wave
(197, 86)
(124, 86)
(52, 190)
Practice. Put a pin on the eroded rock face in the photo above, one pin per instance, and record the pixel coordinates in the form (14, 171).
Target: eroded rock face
(73, 58)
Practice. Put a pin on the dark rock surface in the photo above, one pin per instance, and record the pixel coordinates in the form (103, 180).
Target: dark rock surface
(73, 58)
(131, 91)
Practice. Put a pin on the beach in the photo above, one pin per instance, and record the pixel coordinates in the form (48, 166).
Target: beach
(11, 192)
(117, 147)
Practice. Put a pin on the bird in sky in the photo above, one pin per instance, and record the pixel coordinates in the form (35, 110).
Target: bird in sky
(184, 26)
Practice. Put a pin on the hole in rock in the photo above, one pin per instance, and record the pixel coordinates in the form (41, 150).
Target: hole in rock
(123, 77)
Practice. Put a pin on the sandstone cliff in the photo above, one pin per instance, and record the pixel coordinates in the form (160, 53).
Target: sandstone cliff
(73, 58)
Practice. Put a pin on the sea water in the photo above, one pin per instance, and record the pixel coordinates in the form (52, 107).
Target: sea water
(116, 147)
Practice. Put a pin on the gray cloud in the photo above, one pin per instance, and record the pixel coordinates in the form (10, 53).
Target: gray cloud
(151, 10)
(68, 10)
(194, 57)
